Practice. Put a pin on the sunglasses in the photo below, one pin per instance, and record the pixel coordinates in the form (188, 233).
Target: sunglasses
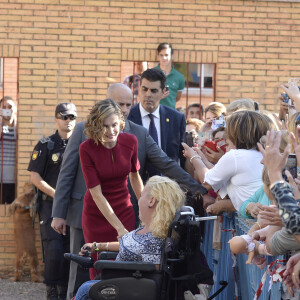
(66, 117)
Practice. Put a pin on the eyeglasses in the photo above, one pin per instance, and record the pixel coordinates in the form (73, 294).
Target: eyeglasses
(66, 117)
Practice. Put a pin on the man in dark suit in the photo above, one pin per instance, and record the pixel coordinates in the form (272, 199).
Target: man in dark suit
(70, 189)
(169, 124)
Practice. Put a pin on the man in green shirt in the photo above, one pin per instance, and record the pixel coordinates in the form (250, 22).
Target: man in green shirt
(175, 80)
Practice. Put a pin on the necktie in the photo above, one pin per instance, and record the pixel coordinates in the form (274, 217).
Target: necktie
(152, 129)
(153, 133)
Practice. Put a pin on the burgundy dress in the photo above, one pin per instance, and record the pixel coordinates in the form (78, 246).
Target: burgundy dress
(108, 168)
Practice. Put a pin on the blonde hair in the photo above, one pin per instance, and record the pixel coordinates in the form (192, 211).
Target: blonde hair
(195, 122)
(245, 128)
(169, 198)
(265, 177)
(283, 142)
(293, 128)
(239, 105)
(94, 128)
(216, 108)
(275, 122)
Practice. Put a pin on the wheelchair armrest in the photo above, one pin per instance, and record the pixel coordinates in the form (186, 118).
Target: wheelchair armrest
(85, 262)
(124, 265)
(106, 255)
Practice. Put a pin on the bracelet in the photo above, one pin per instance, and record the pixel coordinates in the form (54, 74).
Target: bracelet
(194, 156)
(106, 247)
(258, 225)
(276, 182)
(95, 246)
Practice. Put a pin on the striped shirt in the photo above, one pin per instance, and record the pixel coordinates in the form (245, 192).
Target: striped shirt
(8, 144)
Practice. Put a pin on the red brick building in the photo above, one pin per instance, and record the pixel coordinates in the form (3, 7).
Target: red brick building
(72, 50)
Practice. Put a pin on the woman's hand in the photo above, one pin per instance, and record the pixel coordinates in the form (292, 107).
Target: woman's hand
(294, 183)
(208, 164)
(121, 232)
(269, 216)
(87, 247)
(188, 152)
(254, 208)
(215, 209)
(272, 158)
(213, 156)
(292, 272)
(293, 92)
(295, 143)
(220, 206)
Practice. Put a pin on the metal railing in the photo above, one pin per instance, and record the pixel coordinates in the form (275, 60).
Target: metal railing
(243, 280)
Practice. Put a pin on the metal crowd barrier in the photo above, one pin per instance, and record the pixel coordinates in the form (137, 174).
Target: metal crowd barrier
(243, 280)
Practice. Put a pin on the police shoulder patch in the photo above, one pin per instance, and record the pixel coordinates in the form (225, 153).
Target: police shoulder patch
(34, 155)
(45, 140)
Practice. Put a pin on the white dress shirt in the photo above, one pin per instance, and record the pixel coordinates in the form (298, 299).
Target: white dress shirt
(146, 121)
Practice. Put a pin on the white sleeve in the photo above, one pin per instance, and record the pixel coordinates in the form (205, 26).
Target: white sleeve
(221, 173)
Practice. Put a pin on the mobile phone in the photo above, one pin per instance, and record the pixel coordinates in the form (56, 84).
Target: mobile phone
(285, 97)
(6, 112)
(167, 88)
(188, 138)
(221, 144)
(217, 123)
(203, 136)
(211, 145)
(291, 166)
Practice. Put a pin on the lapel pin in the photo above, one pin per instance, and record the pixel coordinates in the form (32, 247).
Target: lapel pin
(167, 120)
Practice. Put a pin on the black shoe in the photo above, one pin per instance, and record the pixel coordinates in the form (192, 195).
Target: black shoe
(51, 292)
(62, 292)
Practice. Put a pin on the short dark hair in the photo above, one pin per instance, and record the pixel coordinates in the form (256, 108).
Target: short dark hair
(195, 105)
(162, 46)
(155, 75)
(5, 98)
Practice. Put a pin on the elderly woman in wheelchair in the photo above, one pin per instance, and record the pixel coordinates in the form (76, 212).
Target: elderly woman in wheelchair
(160, 200)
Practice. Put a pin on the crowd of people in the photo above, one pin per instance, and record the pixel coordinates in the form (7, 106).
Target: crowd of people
(91, 176)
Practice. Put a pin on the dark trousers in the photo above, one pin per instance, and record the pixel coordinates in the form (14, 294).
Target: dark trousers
(77, 275)
(54, 245)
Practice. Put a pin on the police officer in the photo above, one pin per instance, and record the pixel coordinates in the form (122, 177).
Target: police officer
(44, 168)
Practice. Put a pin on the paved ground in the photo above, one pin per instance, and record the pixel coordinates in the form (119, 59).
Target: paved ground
(25, 290)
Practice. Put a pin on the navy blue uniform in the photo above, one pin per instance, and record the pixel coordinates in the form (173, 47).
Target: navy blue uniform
(46, 160)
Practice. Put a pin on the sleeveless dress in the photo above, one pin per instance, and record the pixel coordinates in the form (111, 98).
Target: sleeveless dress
(108, 168)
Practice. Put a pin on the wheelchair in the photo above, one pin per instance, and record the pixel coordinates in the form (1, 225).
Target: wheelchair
(183, 267)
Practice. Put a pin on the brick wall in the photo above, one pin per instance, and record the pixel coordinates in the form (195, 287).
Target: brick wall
(71, 50)
(7, 242)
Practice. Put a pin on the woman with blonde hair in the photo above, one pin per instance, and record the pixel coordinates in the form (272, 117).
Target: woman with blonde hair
(238, 172)
(160, 200)
(108, 157)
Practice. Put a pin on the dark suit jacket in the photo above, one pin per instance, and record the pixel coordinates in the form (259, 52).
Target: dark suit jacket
(172, 127)
(71, 188)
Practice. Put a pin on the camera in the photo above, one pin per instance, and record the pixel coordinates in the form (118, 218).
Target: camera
(189, 139)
